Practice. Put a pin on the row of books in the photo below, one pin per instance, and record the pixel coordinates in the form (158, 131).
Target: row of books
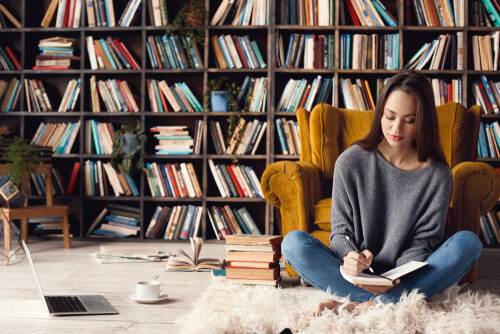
(180, 222)
(252, 96)
(8, 60)
(65, 14)
(158, 12)
(307, 51)
(176, 97)
(378, 51)
(70, 96)
(485, 50)
(5, 13)
(288, 135)
(103, 180)
(228, 221)
(172, 180)
(99, 137)
(177, 140)
(370, 13)
(235, 180)
(116, 220)
(244, 140)
(9, 94)
(442, 13)
(115, 94)
(59, 136)
(236, 52)
(36, 95)
(57, 53)
(174, 52)
(485, 13)
(356, 95)
(58, 184)
(490, 227)
(109, 54)
(307, 12)
(487, 94)
(447, 91)
(445, 52)
(301, 94)
(253, 259)
(242, 13)
(488, 145)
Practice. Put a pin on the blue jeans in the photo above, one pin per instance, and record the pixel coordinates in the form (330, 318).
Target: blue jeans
(318, 265)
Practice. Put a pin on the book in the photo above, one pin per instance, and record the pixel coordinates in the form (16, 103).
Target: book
(194, 262)
(253, 264)
(386, 279)
(252, 256)
(256, 281)
(252, 273)
(246, 239)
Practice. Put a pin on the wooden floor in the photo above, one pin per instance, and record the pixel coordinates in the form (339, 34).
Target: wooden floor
(73, 271)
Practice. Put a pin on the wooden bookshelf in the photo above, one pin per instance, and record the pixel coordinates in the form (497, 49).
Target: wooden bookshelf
(84, 209)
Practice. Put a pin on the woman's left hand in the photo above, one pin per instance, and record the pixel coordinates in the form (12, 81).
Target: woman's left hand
(377, 289)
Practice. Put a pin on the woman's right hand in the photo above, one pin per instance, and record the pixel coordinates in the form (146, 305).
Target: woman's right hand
(355, 263)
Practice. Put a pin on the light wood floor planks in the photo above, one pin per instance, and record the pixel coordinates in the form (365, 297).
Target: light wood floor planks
(73, 271)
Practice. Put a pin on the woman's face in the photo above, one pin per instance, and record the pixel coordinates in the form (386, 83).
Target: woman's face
(398, 120)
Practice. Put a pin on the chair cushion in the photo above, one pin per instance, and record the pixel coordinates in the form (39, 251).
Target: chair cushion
(323, 214)
(453, 131)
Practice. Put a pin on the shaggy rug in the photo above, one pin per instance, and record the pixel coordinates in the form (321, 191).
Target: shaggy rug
(226, 307)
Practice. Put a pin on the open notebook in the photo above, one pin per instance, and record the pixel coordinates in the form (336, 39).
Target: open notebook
(386, 279)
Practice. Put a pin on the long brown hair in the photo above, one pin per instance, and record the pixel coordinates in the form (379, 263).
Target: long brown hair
(427, 141)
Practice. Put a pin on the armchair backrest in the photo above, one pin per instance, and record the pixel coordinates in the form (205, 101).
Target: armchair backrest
(327, 131)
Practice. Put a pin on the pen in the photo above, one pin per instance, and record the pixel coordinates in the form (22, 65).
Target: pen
(353, 245)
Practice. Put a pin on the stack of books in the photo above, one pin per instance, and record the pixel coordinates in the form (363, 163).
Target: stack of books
(173, 139)
(8, 61)
(56, 53)
(484, 13)
(116, 220)
(70, 96)
(252, 259)
(47, 226)
(253, 94)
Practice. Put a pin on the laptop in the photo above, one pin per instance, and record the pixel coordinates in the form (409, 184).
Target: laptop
(70, 305)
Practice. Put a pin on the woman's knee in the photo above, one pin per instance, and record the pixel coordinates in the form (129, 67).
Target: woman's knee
(293, 240)
(468, 242)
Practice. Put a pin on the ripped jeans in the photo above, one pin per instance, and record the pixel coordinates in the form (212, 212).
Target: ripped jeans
(318, 265)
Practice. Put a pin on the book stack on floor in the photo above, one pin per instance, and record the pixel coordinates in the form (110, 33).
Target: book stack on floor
(56, 53)
(253, 259)
(47, 226)
(116, 220)
(177, 223)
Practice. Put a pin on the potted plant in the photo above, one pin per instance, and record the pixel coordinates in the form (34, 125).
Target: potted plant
(190, 22)
(128, 142)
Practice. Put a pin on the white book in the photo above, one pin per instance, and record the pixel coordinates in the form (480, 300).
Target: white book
(99, 173)
(118, 229)
(72, 138)
(428, 56)
(226, 13)
(242, 146)
(261, 134)
(256, 181)
(439, 52)
(219, 13)
(220, 136)
(64, 101)
(156, 13)
(248, 13)
(216, 178)
(130, 13)
(60, 13)
(475, 53)
(78, 12)
(284, 94)
(386, 279)
(495, 37)
(111, 10)
(113, 179)
(313, 92)
(91, 52)
(197, 221)
(233, 51)
(435, 89)
(187, 180)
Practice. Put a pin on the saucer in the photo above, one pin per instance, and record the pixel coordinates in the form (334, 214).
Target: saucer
(148, 301)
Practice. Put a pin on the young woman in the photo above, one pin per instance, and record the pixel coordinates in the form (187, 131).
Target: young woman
(391, 193)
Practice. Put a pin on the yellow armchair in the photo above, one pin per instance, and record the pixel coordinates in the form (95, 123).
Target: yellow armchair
(302, 190)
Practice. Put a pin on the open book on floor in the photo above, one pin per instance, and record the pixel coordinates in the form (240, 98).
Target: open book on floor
(386, 279)
(187, 263)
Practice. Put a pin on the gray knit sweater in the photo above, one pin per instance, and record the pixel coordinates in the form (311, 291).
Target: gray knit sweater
(396, 214)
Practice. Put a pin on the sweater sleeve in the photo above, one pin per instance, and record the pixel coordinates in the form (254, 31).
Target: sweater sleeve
(429, 228)
(341, 216)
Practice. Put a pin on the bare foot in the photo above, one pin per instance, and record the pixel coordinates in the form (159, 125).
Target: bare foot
(331, 304)
(435, 306)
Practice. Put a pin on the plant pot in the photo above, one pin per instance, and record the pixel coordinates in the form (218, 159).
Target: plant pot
(218, 100)
(129, 143)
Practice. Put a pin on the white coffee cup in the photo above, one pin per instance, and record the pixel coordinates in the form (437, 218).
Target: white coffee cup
(148, 290)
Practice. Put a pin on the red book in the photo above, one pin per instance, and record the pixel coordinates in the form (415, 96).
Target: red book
(116, 48)
(489, 107)
(127, 54)
(183, 189)
(58, 57)
(66, 12)
(352, 13)
(163, 101)
(306, 94)
(156, 53)
(71, 13)
(13, 57)
(171, 179)
(125, 96)
(50, 67)
(240, 51)
(72, 180)
(235, 180)
(449, 90)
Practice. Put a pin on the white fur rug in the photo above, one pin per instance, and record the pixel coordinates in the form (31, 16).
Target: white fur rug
(231, 308)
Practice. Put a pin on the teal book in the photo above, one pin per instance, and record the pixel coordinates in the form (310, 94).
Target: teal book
(108, 54)
(245, 215)
(281, 136)
(10, 104)
(255, 48)
(241, 222)
(64, 138)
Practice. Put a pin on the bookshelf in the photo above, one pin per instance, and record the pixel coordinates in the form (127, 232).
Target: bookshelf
(84, 209)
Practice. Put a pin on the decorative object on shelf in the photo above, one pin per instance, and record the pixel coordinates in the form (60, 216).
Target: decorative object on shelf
(128, 142)
(190, 22)
(18, 154)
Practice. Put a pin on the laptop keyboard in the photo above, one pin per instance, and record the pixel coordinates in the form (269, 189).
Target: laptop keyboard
(64, 304)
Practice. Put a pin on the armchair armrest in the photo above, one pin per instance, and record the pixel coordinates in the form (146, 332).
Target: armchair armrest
(294, 188)
(476, 189)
